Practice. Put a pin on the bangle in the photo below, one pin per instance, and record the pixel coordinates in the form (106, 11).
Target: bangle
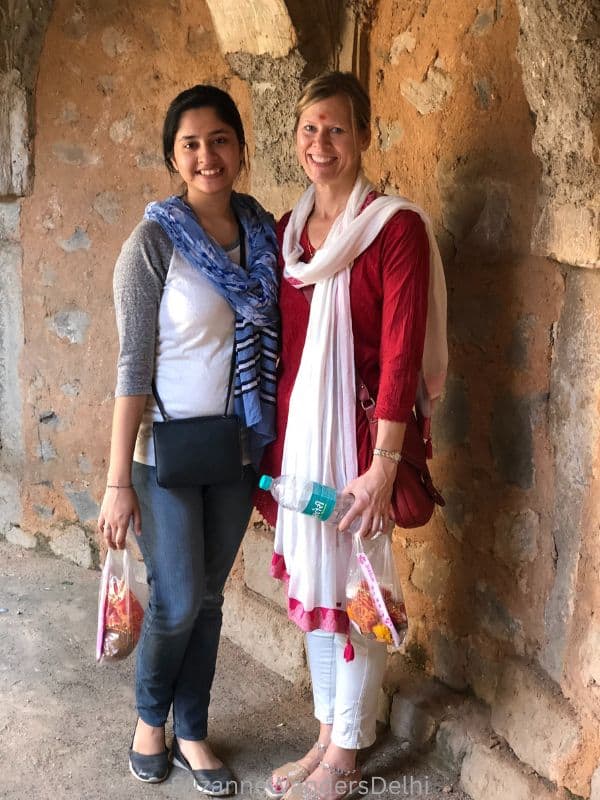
(393, 455)
(118, 486)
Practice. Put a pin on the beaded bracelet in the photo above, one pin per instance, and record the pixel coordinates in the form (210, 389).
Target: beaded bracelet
(117, 486)
(393, 455)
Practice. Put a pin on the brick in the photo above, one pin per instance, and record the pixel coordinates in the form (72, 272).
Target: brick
(536, 721)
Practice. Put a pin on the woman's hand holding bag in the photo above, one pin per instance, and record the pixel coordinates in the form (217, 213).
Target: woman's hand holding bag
(120, 506)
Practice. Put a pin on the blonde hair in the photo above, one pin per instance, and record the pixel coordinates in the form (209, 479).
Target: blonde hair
(332, 83)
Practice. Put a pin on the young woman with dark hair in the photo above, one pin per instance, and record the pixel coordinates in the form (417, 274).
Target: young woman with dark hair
(185, 301)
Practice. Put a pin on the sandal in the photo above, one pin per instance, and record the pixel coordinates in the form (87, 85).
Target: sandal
(293, 773)
(308, 790)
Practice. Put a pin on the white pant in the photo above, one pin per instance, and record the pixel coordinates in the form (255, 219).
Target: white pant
(346, 692)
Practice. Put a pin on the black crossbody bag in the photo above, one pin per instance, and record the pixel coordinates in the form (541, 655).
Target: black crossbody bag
(198, 451)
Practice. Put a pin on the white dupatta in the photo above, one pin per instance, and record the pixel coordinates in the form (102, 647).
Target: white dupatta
(320, 441)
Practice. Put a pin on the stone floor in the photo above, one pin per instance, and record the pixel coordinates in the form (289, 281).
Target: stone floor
(66, 723)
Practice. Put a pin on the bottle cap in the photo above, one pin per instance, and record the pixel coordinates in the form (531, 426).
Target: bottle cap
(265, 482)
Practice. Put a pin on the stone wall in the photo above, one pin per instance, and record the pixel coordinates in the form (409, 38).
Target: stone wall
(106, 75)
(484, 113)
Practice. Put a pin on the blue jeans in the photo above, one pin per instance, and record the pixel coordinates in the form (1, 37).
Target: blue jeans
(189, 541)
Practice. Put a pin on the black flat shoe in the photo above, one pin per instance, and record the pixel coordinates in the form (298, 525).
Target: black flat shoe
(149, 769)
(214, 782)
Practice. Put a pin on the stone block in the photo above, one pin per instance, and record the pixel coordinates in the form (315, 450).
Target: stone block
(70, 324)
(388, 134)
(493, 774)
(449, 657)
(536, 721)
(516, 538)
(257, 547)
(260, 27)
(411, 723)
(78, 241)
(11, 347)
(404, 43)
(74, 155)
(15, 153)
(430, 95)
(430, 573)
(115, 42)
(10, 215)
(575, 437)
(107, 205)
(122, 129)
(15, 535)
(452, 743)
(86, 508)
(10, 502)
(483, 21)
(73, 544)
(568, 233)
(263, 631)
(512, 439)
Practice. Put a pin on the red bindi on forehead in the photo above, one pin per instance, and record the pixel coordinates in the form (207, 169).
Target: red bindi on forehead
(322, 117)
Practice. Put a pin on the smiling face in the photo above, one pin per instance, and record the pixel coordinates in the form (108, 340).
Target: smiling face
(206, 153)
(328, 145)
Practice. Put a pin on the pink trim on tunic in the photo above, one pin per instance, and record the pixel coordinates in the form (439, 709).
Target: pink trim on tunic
(332, 620)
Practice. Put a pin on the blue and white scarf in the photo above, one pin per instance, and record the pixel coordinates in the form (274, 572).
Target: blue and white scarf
(251, 293)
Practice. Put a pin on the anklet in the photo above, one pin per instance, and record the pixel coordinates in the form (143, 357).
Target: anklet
(344, 773)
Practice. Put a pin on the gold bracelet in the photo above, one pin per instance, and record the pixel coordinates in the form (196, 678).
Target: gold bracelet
(393, 455)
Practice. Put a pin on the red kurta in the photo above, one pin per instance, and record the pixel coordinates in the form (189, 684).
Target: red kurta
(388, 299)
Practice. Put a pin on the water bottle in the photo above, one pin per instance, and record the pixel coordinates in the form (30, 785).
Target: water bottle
(309, 497)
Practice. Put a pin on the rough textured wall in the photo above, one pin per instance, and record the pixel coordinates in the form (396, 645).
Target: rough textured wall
(492, 581)
(107, 74)
(490, 550)
(560, 41)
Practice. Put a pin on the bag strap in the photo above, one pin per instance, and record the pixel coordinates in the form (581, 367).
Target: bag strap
(159, 402)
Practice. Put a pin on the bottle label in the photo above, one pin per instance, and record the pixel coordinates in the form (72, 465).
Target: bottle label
(322, 502)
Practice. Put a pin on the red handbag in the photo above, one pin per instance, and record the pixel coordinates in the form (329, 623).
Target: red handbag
(414, 495)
